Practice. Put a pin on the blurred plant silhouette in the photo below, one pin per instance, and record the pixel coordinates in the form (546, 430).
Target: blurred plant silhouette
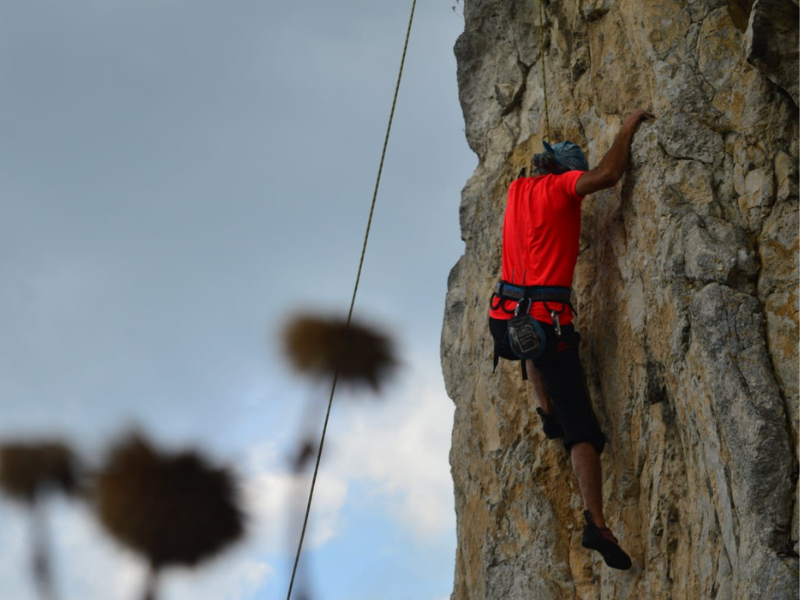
(176, 508)
(29, 472)
(172, 509)
(340, 350)
(352, 352)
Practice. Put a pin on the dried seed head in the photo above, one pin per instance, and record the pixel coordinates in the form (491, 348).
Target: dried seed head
(326, 346)
(28, 469)
(174, 509)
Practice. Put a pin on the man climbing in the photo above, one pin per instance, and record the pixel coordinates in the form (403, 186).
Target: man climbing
(541, 234)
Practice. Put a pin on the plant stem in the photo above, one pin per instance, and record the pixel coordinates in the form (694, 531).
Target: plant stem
(151, 583)
(40, 564)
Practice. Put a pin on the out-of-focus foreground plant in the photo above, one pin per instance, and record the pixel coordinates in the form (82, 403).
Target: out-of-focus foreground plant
(171, 509)
(29, 472)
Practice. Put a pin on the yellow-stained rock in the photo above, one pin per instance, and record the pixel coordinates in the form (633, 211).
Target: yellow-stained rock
(686, 287)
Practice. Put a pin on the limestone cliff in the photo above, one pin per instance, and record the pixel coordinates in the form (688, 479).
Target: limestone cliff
(687, 289)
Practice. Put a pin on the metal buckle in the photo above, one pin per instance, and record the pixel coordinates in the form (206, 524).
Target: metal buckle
(556, 323)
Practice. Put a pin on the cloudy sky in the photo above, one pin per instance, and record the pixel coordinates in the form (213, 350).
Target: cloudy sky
(176, 178)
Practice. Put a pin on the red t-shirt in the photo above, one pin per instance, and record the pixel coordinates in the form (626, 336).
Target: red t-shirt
(541, 235)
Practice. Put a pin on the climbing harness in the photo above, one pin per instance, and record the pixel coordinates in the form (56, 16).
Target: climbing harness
(526, 337)
(352, 301)
(536, 293)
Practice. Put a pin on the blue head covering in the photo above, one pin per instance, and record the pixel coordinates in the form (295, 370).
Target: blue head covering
(567, 155)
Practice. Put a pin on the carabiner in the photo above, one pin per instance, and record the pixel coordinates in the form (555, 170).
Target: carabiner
(556, 323)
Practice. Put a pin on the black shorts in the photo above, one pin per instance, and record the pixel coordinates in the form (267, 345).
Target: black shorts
(562, 374)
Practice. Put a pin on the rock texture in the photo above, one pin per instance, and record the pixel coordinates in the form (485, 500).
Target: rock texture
(687, 289)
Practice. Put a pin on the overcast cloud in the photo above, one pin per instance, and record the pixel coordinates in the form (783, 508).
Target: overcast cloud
(176, 177)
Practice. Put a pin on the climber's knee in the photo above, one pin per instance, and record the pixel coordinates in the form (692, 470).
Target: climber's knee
(593, 436)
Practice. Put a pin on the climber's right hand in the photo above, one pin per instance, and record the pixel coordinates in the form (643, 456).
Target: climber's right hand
(637, 116)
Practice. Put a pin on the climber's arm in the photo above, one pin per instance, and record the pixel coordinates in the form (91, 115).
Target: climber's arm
(614, 163)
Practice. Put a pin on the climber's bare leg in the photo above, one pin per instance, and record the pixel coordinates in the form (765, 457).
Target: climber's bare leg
(539, 391)
(586, 465)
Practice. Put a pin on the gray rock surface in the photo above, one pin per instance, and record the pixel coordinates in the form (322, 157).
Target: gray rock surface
(687, 292)
(772, 42)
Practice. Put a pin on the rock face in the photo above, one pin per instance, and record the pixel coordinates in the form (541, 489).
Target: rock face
(687, 292)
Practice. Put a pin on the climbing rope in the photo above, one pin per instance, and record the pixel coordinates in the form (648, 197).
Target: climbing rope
(352, 301)
(544, 77)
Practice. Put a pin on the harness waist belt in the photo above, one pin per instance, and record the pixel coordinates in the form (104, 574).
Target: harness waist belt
(540, 293)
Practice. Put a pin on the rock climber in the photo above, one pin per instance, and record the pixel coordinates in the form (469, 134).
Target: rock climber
(541, 234)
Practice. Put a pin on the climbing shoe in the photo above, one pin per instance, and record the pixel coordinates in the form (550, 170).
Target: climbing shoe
(605, 543)
(550, 425)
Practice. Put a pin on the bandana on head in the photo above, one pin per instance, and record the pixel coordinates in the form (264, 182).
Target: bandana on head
(560, 158)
